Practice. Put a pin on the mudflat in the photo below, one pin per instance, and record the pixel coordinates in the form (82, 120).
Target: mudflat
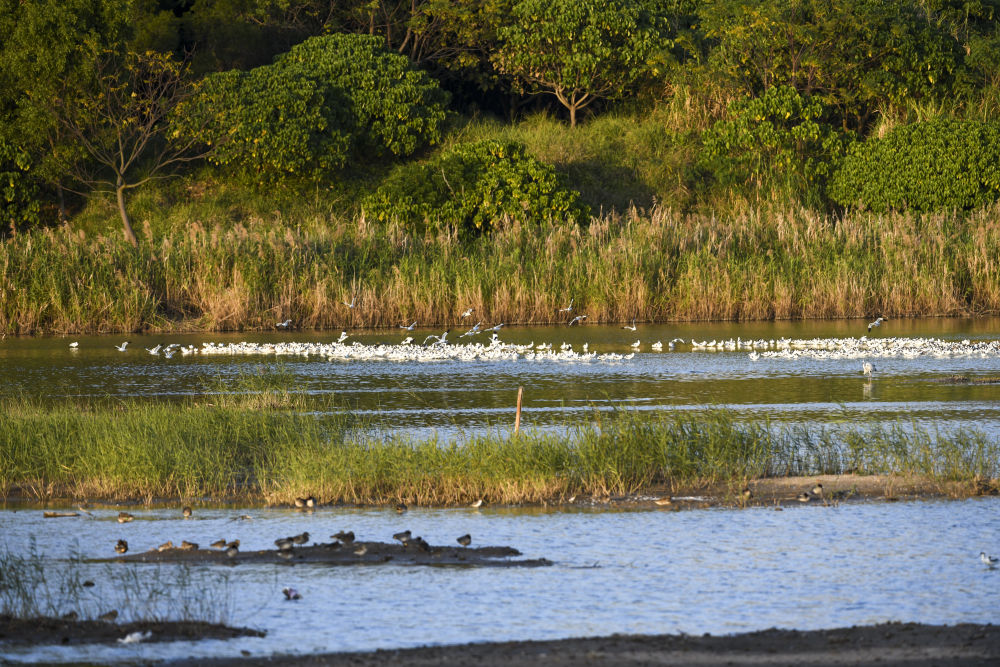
(898, 644)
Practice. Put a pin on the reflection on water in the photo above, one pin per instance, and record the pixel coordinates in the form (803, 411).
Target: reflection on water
(714, 570)
(452, 398)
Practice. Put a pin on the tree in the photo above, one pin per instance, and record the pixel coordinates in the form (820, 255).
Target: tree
(47, 52)
(121, 123)
(579, 50)
(856, 56)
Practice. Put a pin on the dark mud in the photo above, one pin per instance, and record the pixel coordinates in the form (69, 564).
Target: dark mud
(356, 553)
(31, 631)
(894, 644)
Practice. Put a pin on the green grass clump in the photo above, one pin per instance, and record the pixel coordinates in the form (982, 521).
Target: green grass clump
(269, 450)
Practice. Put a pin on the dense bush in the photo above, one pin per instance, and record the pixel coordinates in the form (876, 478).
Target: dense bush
(939, 164)
(329, 101)
(777, 138)
(19, 202)
(475, 186)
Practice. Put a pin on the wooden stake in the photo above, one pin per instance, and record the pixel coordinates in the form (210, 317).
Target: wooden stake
(517, 419)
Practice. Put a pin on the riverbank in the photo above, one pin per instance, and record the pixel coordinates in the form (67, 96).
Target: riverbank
(326, 272)
(884, 644)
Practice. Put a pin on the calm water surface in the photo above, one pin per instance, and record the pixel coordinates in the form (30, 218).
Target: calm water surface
(713, 570)
(453, 398)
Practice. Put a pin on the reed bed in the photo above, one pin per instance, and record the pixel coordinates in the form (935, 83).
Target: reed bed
(272, 451)
(653, 266)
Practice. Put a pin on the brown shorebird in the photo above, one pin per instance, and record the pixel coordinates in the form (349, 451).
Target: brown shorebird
(189, 546)
(662, 502)
(403, 537)
(746, 493)
(108, 617)
(420, 543)
(803, 497)
(400, 508)
(165, 546)
(235, 544)
(121, 547)
(283, 543)
(218, 544)
(286, 554)
(186, 512)
(232, 550)
(125, 517)
(818, 490)
(70, 616)
(345, 536)
(361, 551)
(465, 540)
(300, 502)
(310, 502)
(477, 504)
(301, 538)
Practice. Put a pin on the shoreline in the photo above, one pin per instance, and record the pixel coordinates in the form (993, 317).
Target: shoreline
(882, 644)
(775, 492)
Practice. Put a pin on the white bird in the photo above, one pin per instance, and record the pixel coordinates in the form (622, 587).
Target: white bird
(477, 504)
(351, 304)
(658, 345)
(343, 337)
(577, 319)
(636, 344)
(74, 345)
(867, 368)
(877, 323)
(632, 327)
(410, 327)
(169, 354)
(990, 561)
(567, 309)
(284, 325)
(154, 350)
(496, 328)
(467, 313)
(135, 637)
(407, 340)
(121, 348)
(438, 340)
(473, 331)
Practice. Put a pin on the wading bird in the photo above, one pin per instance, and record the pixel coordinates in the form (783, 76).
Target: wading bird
(867, 368)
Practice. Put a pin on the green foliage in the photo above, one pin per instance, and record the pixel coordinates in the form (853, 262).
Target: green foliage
(580, 50)
(329, 101)
(268, 121)
(940, 164)
(19, 206)
(855, 55)
(778, 137)
(397, 109)
(474, 187)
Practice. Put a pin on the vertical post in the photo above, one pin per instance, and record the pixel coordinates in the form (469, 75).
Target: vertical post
(517, 419)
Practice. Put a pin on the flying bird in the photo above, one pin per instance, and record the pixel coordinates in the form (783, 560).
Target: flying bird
(284, 325)
(121, 348)
(567, 309)
(877, 323)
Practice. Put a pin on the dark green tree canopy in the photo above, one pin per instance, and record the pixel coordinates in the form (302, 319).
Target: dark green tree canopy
(329, 101)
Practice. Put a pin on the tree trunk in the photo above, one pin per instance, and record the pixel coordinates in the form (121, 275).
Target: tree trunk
(572, 115)
(126, 224)
(62, 203)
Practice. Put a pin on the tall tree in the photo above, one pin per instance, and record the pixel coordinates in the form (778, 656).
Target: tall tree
(580, 51)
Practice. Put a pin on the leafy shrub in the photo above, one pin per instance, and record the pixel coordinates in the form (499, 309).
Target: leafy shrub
(397, 109)
(778, 137)
(19, 194)
(939, 164)
(329, 101)
(474, 186)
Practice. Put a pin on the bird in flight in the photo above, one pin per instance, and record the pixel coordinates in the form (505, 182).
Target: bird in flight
(877, 323)
(343, 337)
(495, 329)
(410, 327)
(121, 348)
(577, 319)
(473, 331)
(438, 340)
(632, 327)
(567, 309)
(351, 304)
(467, 313)
(284, 325)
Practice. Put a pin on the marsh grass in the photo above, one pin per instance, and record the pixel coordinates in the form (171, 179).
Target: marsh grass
(263, 450)
(655, 266)
(33, 586)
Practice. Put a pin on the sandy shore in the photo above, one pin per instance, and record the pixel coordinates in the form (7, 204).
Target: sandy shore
(888, 644)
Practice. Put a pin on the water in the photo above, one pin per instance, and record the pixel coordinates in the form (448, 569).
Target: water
(715, 570)
(454, 399)
(710, 570)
